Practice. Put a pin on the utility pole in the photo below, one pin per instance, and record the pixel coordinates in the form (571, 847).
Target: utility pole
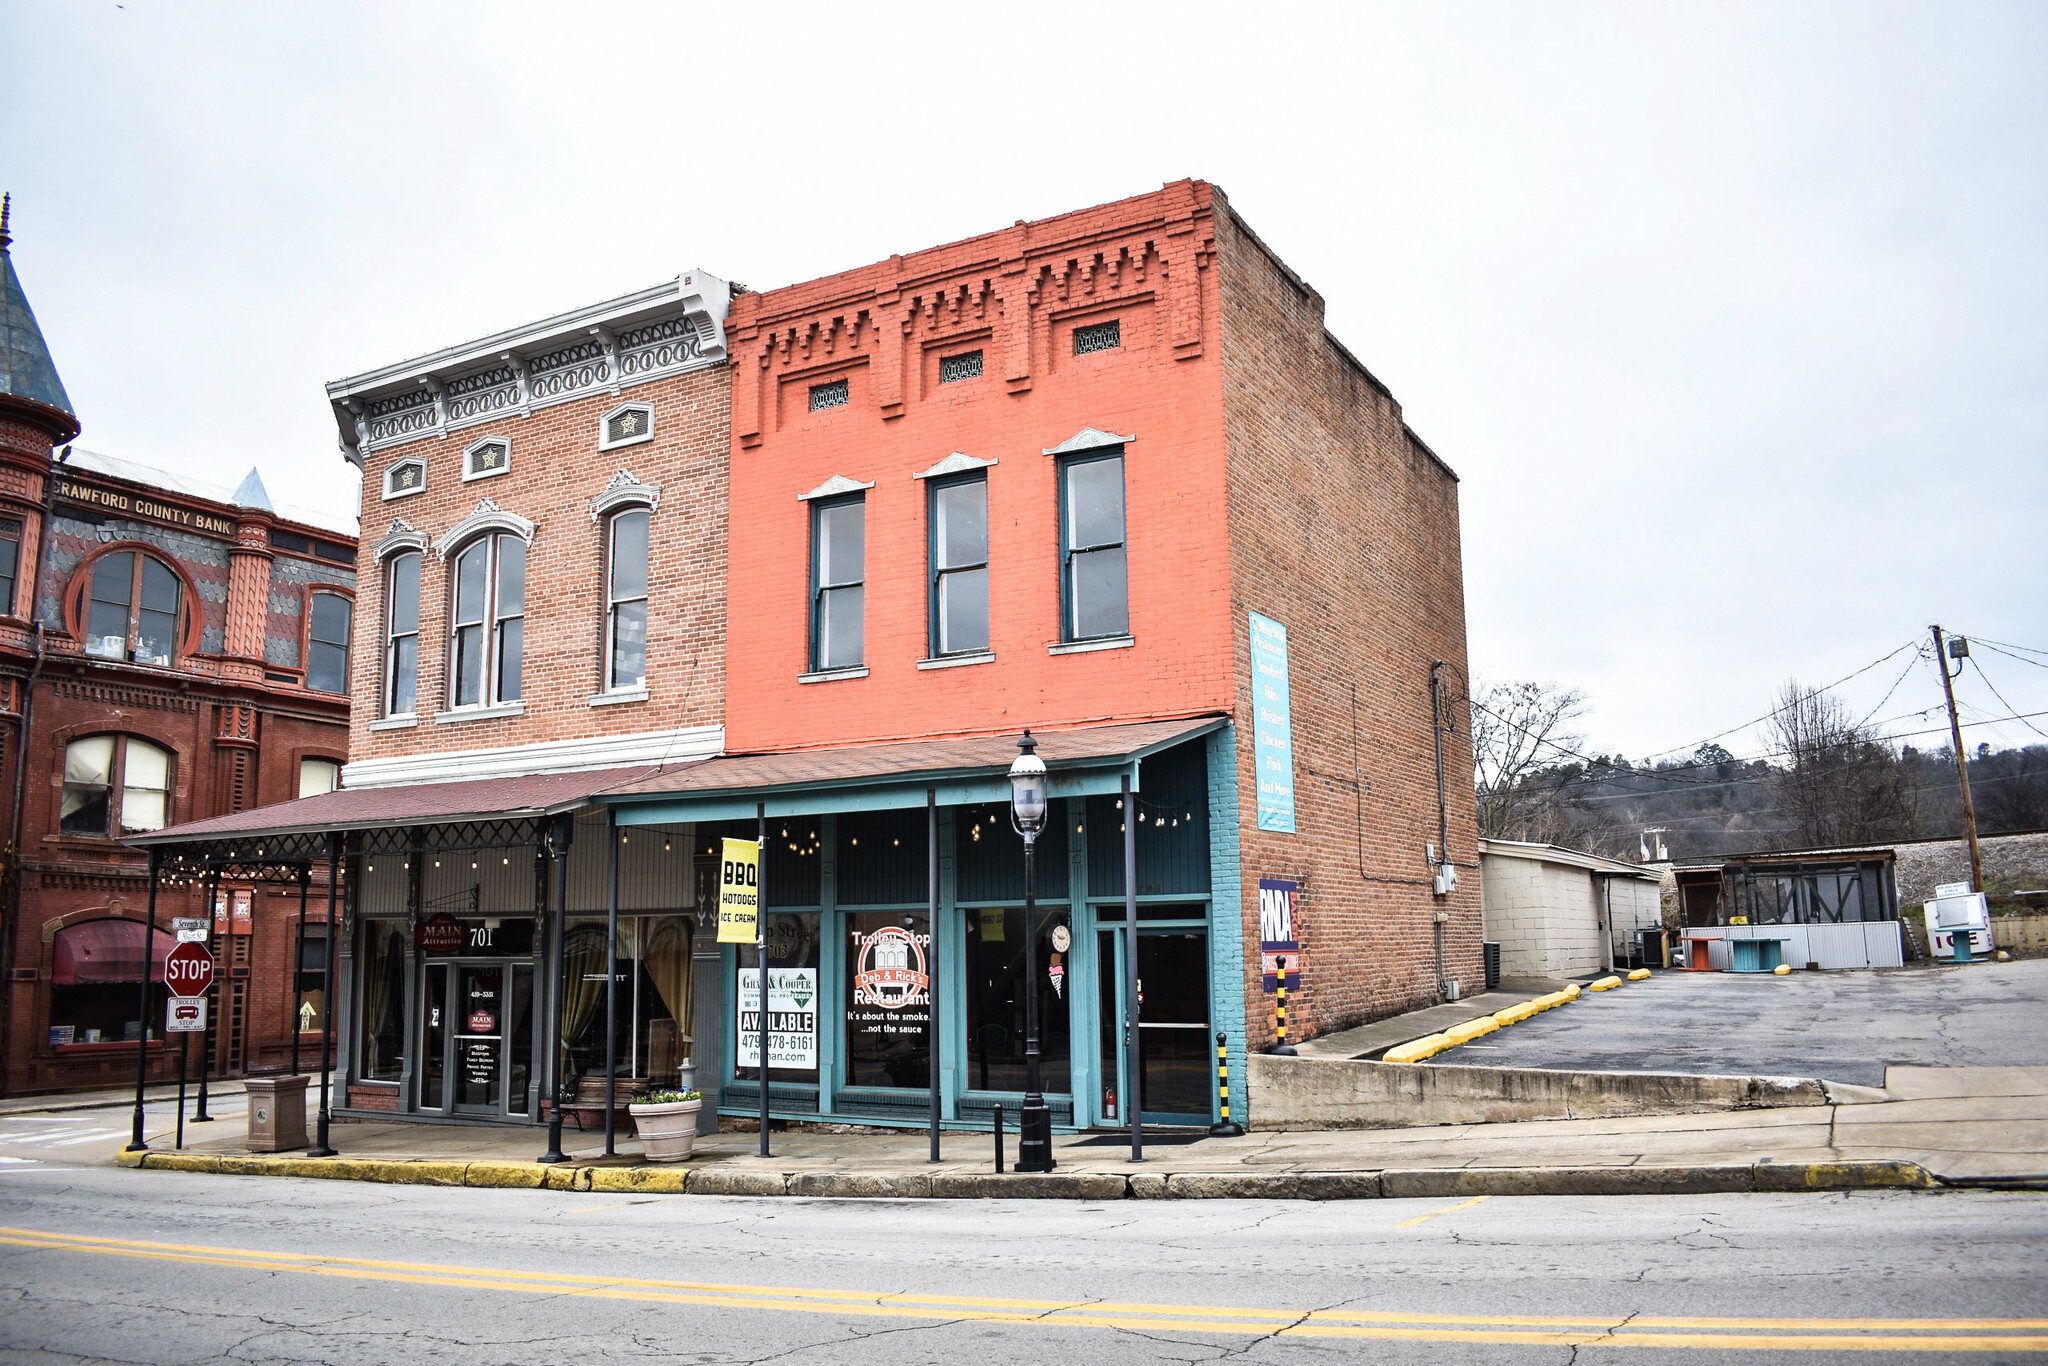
(1960, 648)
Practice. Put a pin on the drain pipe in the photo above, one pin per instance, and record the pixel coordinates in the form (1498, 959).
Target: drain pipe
(1442, 862)
(28, 707)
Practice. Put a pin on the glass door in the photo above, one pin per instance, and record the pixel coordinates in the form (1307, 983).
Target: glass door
(1175, 1084)
(434, 1039)
(1174, 1056)
(479, 1037)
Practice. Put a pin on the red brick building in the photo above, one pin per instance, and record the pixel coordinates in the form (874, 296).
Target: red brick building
(171, 652)
(1057, 476)
(804, 563)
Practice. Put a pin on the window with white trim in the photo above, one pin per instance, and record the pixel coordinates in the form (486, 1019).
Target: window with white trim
(626, 600)
(405, 478)
(487, 621)
(487, 458)
(838, 582)
(1094, 573)
(402, 634)
(959, 563)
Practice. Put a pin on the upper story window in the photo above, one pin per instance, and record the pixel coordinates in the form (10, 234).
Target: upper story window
(829, 395)
(10, 563)
(967, 365)
(1099, 337)
(838, 582)
(132, 608)
(405, 478)
(94, 803)
(402, 634)
(1094, 587)
(486, 458)
(959, 564)
(487, 621)
(317, 776)
(629, 424)
(327, 641)
(626, 601)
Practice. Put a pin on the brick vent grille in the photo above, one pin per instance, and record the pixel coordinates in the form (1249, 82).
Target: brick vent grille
(486, 458)
(833, 395)
(1101, 337)
(966, 366)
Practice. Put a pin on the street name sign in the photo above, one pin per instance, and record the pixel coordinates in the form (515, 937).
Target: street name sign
(190, 931)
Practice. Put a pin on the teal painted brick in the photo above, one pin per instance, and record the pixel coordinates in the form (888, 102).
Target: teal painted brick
(1227, 968)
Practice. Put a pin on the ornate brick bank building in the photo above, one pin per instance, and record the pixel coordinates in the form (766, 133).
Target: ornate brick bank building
(702, 562)
(170, 652)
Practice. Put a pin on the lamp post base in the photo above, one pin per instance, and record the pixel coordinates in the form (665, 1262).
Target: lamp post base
(1227, 1129)
(1034, 1135)
(1283, 1050)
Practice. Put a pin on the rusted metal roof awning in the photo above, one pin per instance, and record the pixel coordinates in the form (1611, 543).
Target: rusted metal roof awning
(368, 808)
(1085, 761)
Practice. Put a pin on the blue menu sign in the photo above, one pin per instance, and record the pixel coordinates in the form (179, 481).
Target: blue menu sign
(1272, 725)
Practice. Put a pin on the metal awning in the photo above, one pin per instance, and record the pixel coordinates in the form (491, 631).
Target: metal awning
(1082, 762)
(373, 808)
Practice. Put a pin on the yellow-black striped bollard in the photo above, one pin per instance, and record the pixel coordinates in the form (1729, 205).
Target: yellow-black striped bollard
(1224, 1127)
(1282, 1048)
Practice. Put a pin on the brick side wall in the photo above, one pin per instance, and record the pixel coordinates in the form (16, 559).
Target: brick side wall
(556, 469)
(1346, 531)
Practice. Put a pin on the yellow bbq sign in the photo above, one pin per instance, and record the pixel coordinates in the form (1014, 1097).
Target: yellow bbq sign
(739, 891)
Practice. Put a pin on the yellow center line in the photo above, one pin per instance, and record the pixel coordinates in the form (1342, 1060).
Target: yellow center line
(1451, 1209)
(1818, 1334)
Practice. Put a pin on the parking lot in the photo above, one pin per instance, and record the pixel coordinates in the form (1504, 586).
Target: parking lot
(1838, 1026)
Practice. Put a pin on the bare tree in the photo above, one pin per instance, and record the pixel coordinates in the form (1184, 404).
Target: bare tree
(2011, 787)
(1839, 784)
(1519, 730)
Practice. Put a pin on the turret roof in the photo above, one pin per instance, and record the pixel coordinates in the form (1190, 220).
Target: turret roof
(26, 370)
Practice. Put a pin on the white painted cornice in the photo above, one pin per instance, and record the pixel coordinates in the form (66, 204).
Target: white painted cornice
(955, 463)
(685, 745)
(488, 516)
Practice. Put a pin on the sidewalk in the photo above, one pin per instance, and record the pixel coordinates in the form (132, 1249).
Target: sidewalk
(122, 1098)
(1944, 1126)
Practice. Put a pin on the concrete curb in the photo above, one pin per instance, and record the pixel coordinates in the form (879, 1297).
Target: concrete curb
(1433, 1182)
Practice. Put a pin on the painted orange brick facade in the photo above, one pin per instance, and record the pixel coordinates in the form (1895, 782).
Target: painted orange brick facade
(1016, 294)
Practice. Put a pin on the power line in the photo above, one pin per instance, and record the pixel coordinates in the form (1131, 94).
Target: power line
(1994, 645)
(2008, 706)
(2010, 646)
(1912, 644)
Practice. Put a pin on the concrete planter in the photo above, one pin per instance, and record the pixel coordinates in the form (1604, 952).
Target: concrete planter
(667, 1132)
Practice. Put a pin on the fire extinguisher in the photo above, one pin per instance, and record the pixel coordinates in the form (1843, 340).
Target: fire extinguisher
(1109, 1100)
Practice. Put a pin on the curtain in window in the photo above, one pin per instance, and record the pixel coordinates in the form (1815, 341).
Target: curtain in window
(667, 959)
(583, 949)
(145, 787)
(88, 782)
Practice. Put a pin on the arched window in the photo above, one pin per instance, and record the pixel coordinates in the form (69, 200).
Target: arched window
(626, 601)
(487, 621)
(327, 641)
(114, 785)
(402, 634)
(97, 967)
(132, 607)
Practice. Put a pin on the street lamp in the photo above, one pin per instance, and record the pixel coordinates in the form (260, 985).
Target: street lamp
(1027, 817)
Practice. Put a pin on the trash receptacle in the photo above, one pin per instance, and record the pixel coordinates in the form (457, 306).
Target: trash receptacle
(1491, 951)
(277, 1113)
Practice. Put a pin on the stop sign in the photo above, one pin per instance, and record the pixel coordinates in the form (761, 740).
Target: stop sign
(188, 971)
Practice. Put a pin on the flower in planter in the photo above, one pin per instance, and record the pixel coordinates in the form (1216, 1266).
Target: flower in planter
(669, 1097)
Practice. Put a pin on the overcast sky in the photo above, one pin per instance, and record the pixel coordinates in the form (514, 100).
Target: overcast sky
(1730, 318)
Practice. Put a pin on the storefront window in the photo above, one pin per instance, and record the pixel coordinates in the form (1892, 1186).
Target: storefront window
(653, 1004)
(93, 996)
(312, 982)
(382, 974)
(995, 1005)
(888, 999)
(793, 981)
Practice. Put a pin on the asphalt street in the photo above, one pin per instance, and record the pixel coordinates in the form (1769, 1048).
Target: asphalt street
(103, 1264)
(1839, 1026)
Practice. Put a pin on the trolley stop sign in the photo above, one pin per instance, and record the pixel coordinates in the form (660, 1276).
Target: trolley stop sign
(188, 970)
